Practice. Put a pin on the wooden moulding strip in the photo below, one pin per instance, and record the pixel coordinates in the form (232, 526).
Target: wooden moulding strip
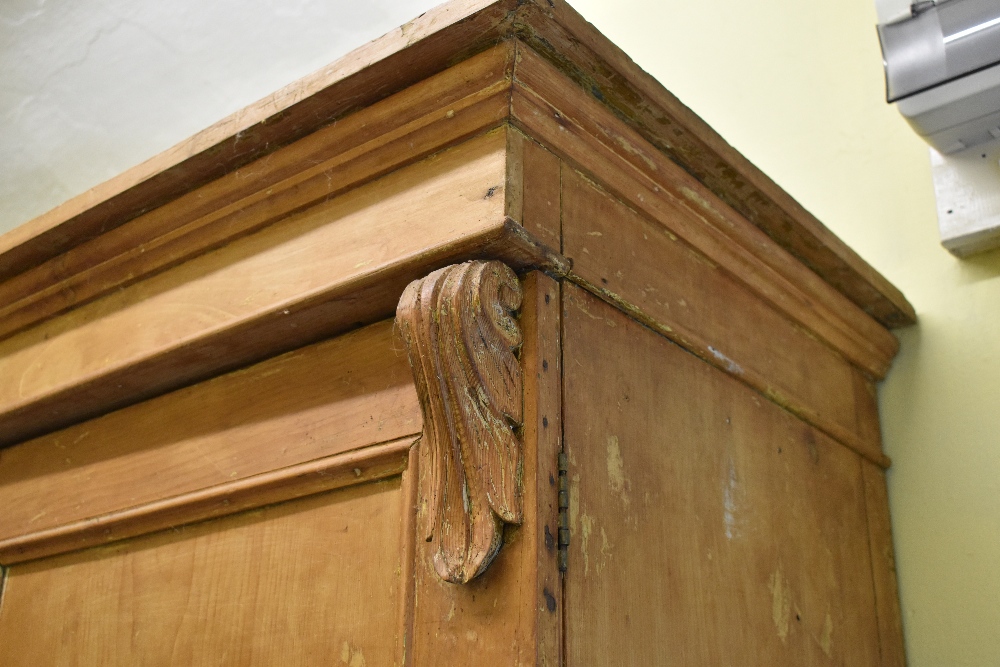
(335, 266)
(701, 348)
(413, 52)
(596, 65)
(460, 102)
(281, 327)
(333, 472)
(550, 108)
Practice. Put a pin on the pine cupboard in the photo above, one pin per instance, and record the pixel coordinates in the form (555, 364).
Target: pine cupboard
(475, 347)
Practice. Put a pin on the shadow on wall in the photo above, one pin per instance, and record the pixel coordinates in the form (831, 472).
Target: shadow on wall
(977, 268)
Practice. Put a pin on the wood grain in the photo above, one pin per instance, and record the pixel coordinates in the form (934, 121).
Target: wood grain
(65, 489)
(541, 356)
(311, 581)
(665, 283)
(461, 339)
(499, 618)
(335, 266)
(590, 138)
(709, 526)
(890, 617)
(461, 101)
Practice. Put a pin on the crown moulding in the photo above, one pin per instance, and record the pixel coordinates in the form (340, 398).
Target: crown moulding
(437, 40)
(461, 339)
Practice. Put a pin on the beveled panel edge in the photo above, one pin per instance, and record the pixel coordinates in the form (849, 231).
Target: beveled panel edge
(366, 464)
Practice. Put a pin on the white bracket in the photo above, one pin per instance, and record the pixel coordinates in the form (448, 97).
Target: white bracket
(967, 189)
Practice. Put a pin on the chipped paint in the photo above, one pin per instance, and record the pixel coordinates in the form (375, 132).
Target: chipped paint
(616, 470)
(781, 602)
(632, 149)
(586, 528)
(352, 656)
(826, 639)
(605, 550)
(729, 505)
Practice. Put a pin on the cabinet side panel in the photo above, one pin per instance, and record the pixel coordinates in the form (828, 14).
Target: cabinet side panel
(304, 582)
(890, 620)
(708, 526)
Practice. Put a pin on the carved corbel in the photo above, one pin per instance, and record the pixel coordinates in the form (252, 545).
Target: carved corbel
(461, 339)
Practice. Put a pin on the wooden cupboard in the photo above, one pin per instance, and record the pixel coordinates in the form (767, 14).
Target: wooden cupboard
(475, 347)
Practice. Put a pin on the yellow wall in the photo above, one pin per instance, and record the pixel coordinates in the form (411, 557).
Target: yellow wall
(796, 85)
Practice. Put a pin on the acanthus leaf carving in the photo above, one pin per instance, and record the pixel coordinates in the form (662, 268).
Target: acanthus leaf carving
(462, 339)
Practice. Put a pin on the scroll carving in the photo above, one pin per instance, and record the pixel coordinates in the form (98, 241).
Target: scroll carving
(461, 338)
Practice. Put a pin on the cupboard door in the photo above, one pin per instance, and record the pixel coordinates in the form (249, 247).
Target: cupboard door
(708, 526)
(307, 582)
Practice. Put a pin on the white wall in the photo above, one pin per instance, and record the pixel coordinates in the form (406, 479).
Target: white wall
(89, 88)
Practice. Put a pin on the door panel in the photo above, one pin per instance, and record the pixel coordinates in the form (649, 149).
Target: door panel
(311, 581)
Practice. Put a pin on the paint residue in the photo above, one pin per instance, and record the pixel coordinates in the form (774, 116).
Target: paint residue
(730, 365)
(616, 470)
(586, 528)
(352, 656)
(729, 492)
(781, 603)
(826, 639)
(605, 550)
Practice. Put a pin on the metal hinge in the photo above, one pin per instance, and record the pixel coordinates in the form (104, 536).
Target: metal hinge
(563, 512)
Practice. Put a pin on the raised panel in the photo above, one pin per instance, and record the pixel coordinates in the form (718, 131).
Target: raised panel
(709, 526)
(309, 582)
(308, 405)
